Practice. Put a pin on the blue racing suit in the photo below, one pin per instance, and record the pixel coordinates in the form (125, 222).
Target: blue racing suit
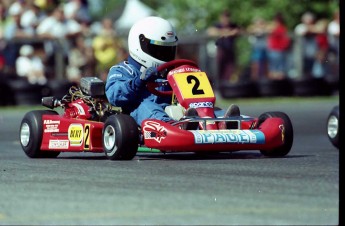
(122, 92)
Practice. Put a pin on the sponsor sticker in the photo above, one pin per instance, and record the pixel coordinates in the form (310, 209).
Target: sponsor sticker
(76, 134)
(170, 33)
(201, 105)
(229, 136)
(51, 128)
(153, 130)
(80, 108)
(183, 70)
(58, 144)
(49, 121)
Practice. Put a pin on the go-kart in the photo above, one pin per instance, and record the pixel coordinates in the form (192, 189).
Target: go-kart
(333, 126)
(90, 124)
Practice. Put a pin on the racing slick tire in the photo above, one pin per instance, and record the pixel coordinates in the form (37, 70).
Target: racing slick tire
(288, 134)
(120, 137)
(30, 134)
(333, 126)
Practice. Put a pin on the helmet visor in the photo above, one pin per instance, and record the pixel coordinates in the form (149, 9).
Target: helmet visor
(164, 51)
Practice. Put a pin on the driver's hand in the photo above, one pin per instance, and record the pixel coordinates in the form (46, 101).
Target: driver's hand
(150, 74)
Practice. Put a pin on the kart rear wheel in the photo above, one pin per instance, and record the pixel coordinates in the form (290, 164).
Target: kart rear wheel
(120, 137)
(333, 126)
(288, 134)
(30, 134)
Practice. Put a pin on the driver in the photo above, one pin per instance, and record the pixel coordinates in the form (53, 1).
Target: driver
(152, 41)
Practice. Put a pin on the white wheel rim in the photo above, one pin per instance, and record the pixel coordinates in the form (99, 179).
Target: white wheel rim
(332, 127)
(109, 139)
(25, 134)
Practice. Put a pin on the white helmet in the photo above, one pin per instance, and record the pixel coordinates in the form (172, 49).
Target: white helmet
(152, 41)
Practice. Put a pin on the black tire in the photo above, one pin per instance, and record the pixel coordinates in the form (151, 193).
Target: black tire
(120, 137)
(288, 135)
(30, 134)
(333, 126)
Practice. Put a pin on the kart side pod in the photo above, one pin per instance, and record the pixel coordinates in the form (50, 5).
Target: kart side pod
(166, 137)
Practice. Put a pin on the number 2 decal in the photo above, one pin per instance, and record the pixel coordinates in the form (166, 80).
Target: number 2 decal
(87, 137)
(195, 89)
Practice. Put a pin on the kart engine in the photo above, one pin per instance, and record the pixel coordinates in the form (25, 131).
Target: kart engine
(92, 86)
(85, 102)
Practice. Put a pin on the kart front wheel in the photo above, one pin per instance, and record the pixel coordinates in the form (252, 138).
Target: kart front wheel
(120, 137)
(288, 134)
(30, 134)
(333, 126)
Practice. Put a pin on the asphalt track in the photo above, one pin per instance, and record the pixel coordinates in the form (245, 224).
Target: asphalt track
(242, 188)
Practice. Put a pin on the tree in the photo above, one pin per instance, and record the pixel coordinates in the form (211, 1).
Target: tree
(197, 15)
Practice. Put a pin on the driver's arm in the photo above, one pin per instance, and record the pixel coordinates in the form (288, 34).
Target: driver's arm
(120, 87)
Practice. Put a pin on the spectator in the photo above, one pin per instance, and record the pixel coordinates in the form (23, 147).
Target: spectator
(17, 7)
(319, 69)
(32, 16)
(333, 31)
(3, 20)
(107, 47)
(30, 66)
(278, 43)
(226, 32)
(77, 10)
(14, 30)
(80, 60)
(3, 23)
(258, 38)
(57, 26)
(305, 33)
(58, 31)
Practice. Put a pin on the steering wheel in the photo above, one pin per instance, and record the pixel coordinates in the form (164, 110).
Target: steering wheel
(163, 71)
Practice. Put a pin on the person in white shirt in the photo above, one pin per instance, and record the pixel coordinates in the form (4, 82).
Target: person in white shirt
(57, 31)
(305, 33)
(334, 32)
(57, 26)
(30, 66)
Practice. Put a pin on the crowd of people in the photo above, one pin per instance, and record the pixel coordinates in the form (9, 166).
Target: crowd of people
(90, 48)
(316, 42)
(87, 47)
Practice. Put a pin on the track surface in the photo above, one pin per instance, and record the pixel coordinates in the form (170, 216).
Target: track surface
(241, 188)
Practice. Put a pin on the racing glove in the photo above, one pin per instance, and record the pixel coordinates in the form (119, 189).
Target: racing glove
(150, 74)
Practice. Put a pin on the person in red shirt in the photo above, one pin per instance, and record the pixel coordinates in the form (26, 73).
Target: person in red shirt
(278, 43)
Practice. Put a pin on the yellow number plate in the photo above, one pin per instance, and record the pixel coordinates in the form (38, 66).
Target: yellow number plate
(194, 85)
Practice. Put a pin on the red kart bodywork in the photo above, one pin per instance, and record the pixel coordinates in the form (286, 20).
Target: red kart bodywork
(70, 134)
(166, 137)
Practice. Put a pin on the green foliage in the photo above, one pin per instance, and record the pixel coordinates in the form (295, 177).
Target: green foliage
(106, 8)
(194, 15)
